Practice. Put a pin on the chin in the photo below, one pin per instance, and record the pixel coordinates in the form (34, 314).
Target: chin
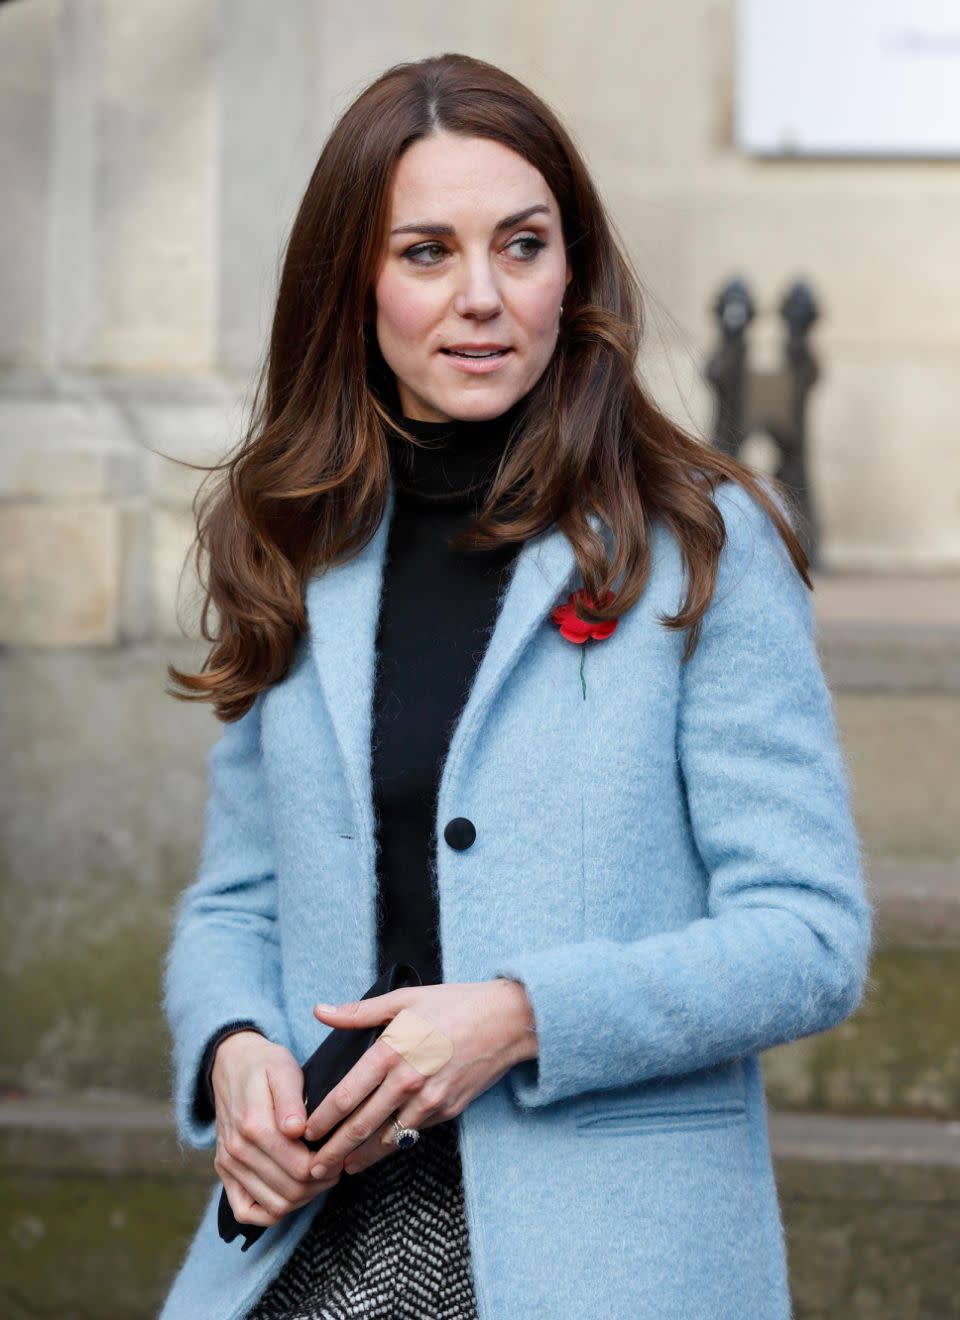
(479, 405)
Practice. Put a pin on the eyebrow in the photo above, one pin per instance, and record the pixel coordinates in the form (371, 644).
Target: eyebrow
(507, 222)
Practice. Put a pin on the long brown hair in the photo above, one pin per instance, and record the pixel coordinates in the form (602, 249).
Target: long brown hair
(306, 487)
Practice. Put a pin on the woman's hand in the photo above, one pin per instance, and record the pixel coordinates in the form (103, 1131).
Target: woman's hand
(263, 1164)
(491, 1026)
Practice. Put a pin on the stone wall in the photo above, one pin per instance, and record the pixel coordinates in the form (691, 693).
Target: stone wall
(157, 153)
(154, 155)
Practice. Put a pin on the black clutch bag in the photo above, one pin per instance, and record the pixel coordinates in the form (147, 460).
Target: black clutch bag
(328, 1064)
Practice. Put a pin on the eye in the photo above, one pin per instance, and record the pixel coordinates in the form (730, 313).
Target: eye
(424, 250)
(533, 243)
(423, 254)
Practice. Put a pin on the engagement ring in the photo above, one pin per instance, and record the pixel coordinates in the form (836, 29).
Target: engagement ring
(405, 1136)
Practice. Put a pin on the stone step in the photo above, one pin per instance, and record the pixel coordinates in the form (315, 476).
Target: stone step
(916, 903)
(899, 1053)
(96, 1189)
(870, 1210)
(890, 648)
(901, 750)
(881, 632)
(97, 1205)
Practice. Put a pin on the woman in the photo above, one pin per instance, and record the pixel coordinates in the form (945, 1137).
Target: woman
(520, 685)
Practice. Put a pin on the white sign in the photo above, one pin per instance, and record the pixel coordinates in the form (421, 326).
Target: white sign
(848, 77)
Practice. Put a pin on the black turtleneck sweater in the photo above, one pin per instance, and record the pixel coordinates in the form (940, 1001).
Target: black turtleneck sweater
(436, 612)
(437, 609)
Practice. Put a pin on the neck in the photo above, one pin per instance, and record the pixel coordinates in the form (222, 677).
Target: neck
(453, 463)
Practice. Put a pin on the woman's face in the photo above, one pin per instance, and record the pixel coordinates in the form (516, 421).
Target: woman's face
(474, 258)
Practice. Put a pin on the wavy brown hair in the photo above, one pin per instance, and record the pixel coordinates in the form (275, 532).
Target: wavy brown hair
(306, 486)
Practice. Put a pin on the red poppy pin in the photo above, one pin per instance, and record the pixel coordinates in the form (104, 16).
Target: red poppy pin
(578, 630)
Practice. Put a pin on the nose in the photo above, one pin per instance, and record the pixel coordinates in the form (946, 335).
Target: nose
(478, 294)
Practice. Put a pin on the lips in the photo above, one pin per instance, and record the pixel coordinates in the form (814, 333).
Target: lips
(476, 359)
(476, 351)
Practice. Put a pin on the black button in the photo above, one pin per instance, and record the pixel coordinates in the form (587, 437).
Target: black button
(460, 832)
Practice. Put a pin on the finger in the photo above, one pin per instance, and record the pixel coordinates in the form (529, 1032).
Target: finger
(364, 1012)
(357, 1129)
(247, 1159)
(245, 1209)
(430, 1106)
(286, 1092)
(267, 1197)
(363, 1124)
(360, 1082)
(378, 1147)
(259, 1131)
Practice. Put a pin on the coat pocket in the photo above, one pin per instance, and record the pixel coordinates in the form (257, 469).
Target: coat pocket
(620, 1117)
(709, 1098)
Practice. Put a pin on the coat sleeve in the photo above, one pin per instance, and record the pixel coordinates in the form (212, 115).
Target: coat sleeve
(223, 964)
(783, 950)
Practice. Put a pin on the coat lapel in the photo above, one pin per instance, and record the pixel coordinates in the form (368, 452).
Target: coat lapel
(343, 606)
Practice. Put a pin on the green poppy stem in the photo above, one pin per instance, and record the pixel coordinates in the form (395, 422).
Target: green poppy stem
(583, 656)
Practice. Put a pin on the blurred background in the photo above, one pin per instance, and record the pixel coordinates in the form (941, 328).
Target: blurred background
(152, 156)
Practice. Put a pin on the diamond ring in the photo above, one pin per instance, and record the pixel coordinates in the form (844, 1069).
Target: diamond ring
(405, 1137)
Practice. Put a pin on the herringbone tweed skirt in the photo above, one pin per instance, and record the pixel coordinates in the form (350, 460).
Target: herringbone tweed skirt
(390, 1243)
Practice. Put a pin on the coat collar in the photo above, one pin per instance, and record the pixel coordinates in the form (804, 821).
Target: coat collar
(343, 607)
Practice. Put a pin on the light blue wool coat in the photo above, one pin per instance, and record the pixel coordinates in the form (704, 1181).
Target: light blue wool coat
(670, 866)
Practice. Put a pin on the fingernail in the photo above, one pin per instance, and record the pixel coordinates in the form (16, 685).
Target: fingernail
(325, 1008)
(291, 1121)
(318, 1171)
